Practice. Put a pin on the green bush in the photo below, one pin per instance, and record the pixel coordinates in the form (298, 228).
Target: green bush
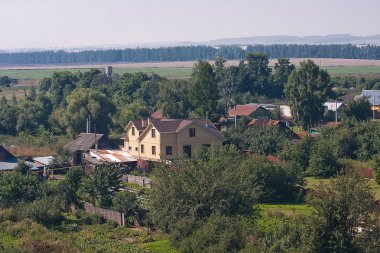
(46, 211)
(90, 219)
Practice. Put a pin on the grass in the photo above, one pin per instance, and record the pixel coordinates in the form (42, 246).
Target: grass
(75, 236)
(169, 72)
(349, 70)
(287, 209)
(162, 246)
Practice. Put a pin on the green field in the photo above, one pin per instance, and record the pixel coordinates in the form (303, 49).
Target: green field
(353, 70)
(169, 72)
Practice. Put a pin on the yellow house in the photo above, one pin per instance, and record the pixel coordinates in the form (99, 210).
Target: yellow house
(169, 139)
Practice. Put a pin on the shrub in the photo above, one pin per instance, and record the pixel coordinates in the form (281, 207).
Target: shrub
(46, 211)
(90, 219)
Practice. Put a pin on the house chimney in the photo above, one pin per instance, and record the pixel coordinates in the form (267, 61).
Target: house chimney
(143, 123)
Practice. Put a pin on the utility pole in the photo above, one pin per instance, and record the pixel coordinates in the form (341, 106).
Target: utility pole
(336, 110)
(373, 106)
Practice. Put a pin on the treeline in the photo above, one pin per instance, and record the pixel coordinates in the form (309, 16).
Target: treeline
(191, 53)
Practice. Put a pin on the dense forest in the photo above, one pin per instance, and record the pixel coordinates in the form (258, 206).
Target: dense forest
(190, 53)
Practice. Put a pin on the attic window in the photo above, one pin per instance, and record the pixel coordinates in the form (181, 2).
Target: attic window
(192, 132)
(133, 131)
(153, 133)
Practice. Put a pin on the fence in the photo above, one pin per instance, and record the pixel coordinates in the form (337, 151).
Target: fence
(110, 215)
(142, 181)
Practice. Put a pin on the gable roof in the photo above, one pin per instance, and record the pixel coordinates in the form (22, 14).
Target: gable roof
(243, 110)
(7, 160)
(85, 141)
(157, 114)
(372, 95)
(176, 125)
(5, 155)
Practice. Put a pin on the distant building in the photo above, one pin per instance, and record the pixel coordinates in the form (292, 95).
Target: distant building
(335, 107)
(108, 71)
(373, 97)
(84, 143)
(250, 111)
(168, 139)
(7, 160)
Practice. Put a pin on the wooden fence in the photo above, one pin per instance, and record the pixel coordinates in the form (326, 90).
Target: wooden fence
(110, 215)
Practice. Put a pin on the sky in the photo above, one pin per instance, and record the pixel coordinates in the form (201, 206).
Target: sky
(71, 23)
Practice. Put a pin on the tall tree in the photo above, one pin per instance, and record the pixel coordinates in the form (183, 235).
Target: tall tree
(204, 89)
(343, 218)
(307, 89)
(282, 70)
(358, 109)
(101, 185)
(84, 102)
(174, 99)
(258, 72)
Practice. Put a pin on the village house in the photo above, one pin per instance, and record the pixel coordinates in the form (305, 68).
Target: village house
(168, 139)
(86, 141)
(335, 107)
(373, 97)
(250, 111)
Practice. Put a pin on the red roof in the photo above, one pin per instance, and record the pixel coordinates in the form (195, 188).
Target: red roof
(243, 110)
(157, 114)
(333, 124)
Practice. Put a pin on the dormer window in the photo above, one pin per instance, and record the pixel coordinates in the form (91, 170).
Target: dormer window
(192, 132)
(153, 133)
(133, 131)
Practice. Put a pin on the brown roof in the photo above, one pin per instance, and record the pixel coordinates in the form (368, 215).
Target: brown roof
(333, 124)
(243, 110)
(157, 114)
(87, 141)
(176, 125)
(138, 124)
(264, 122)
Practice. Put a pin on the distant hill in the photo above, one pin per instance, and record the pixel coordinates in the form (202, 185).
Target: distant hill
(285, 39)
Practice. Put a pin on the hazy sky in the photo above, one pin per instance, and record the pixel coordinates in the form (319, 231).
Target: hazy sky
(62, 23)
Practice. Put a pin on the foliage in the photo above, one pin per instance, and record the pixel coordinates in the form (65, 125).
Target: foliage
(214, 183)
(22, 168)
(174, 99)
(359, 109)
(203, 93)
(46, 211)
(101, 185)
(341, 207)
(323, 162)
(265, 140)
(217, 234)
(298, 154)
(88, 102)
(16, 188)
(125, 202)
(375, 163)
(307, 89)
(281, 72)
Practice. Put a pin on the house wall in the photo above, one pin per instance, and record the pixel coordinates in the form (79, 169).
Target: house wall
(148, 141)
(202, 137)
(132, 141)
(169, 139)
(261, 113)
